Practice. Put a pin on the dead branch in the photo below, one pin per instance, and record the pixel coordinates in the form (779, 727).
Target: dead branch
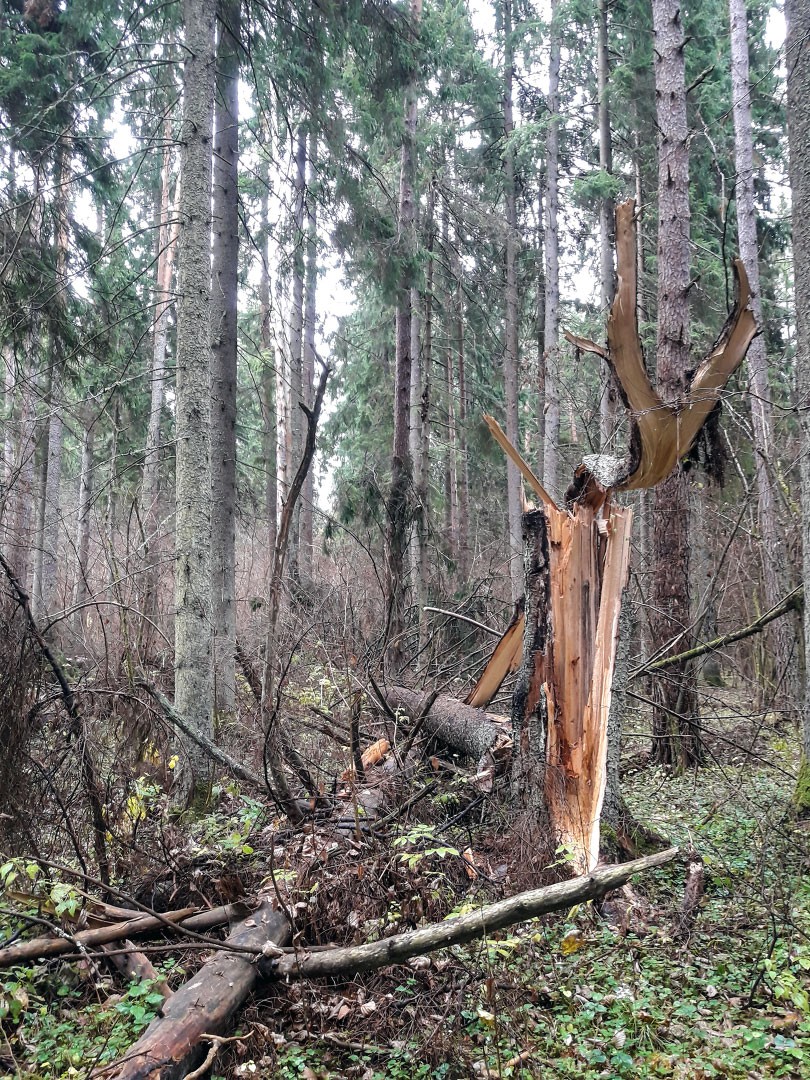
(792, 602)
(231, 764)
(283, 537)
(520, 908)
(464, 618)
(92, 785)
(184, 922)
(43, 947)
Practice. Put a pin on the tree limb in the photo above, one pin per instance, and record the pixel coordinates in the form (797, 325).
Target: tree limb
(520, 908)
(231, 764)
(792, 602)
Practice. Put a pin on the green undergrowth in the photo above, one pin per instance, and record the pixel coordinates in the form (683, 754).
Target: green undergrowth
(586, 994)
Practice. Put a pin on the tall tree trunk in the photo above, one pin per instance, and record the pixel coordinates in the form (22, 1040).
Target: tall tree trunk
(399, 500)
(417, 544)
(798, 67)
(540, 322)
(607, 238)
(83, 520)
(308, 357)
(676, 737)
(192, 642)
(52, 524)
(296, 373)
(462, 470)
(551, 435)
(420, 423)
(782, 633)
(511, 359)
(167, 234)
(21, 526)
(268, 396)
(224, 354)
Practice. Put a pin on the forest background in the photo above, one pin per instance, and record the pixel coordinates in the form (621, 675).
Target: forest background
(266, 268)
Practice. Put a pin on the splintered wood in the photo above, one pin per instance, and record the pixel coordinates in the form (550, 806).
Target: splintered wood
(662, 432)
(575, 578)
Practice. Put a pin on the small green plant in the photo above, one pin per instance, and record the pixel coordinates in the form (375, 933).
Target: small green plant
(420, 835)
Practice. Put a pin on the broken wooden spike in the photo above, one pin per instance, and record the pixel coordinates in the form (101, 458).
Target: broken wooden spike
(516, 458)
(504, 660)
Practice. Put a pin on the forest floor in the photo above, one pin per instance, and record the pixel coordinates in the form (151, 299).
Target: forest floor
(616, 993)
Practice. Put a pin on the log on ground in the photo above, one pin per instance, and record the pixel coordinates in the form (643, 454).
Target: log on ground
(399, 948)
(461, 728)
(174, 1044)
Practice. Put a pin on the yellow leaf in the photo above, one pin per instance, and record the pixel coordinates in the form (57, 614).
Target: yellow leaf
(572, 942)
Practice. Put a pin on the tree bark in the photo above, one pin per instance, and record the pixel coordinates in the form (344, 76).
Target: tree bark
(171, 1045)
(52, 519)
(308, 356)
(776, 577)
(295, 390)
(193, 683)
(168, 233)
(798, 67)
(462, 728)
(511, 359)
(679, 742)
(607, 237)
(399, 499)
(83, 520)
(269, 393)
(551, 435)
(224, 356)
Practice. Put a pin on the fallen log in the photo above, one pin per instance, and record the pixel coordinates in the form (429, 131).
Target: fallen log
(173, 1044)
(42, 948)
(137, 967)
(520, 908)
(462, 728)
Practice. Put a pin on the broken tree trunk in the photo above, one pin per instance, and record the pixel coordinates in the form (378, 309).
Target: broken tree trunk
(576, 564)
(172, 1044)
(460, 727)
(576, 569)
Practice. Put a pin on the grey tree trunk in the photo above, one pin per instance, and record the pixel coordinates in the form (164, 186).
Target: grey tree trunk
(224, 354)
(296, 355)
(399, 499)
(150, 477)
(420, 423)
(83, 521)
(192, 643)
(551, 434)
(607, 398)
(798, 100)
(540, 320)
(52, 521)
(776, 576)
(21, 519)
(676, 738)
(511, 359)
(417, 544)
(308, 356)
(268, 395)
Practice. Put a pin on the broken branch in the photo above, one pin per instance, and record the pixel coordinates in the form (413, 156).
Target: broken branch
(520, 908)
